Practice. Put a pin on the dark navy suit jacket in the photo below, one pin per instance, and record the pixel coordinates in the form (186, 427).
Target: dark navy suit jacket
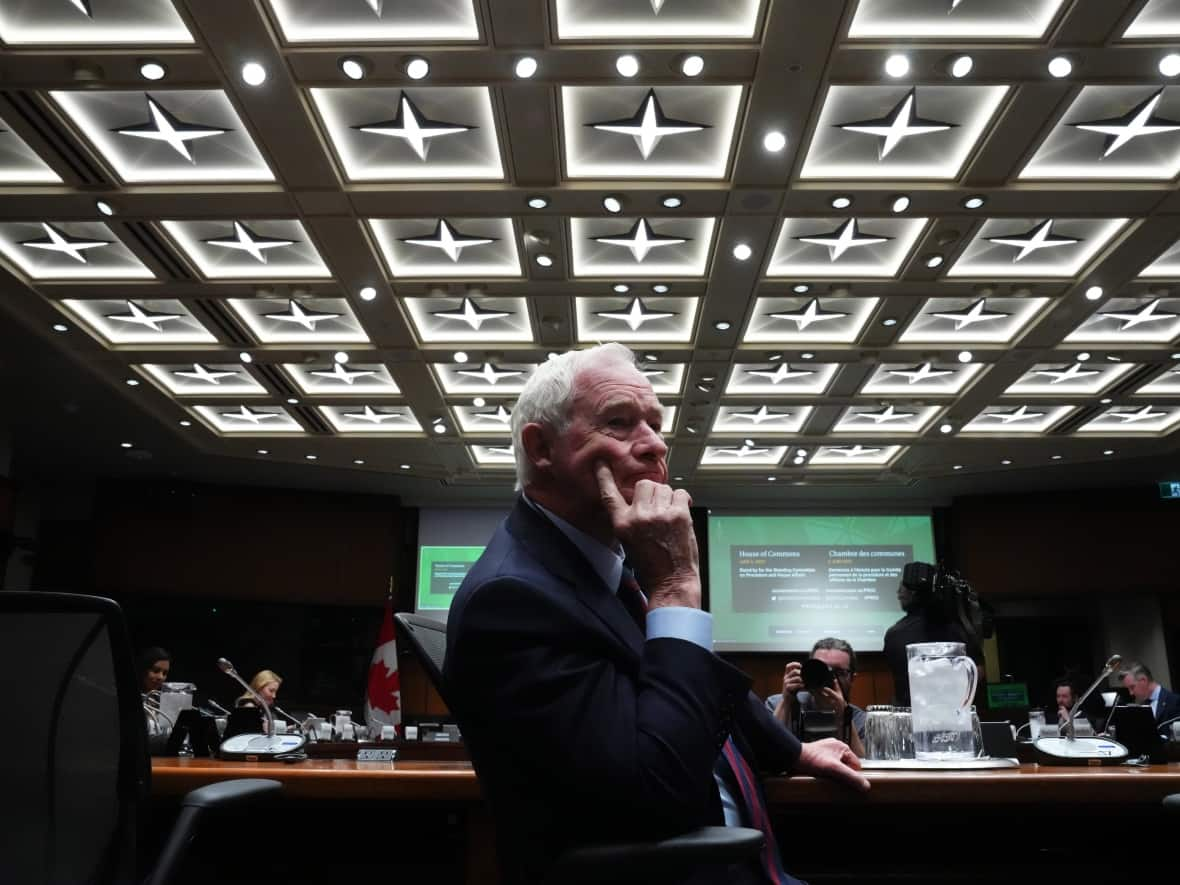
(1168, 706)
(579, 729)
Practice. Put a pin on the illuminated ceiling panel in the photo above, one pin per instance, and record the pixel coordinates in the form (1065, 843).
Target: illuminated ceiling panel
(843, 247)
(889, 420)
(1030, 248)
(492, 419)
(656, 19)
(666, 379)
(1158, 18)
(148, 321)
(249, 249)
(342, 379)
(972, 320)
(899, 132)
(743, 456)
(1069, 379)
(922, 379)
(854, 456)
(1131, 320)
(493, 379)
(190, 135)
(966, 19)
(799, 320)
(372, 420)
(91, 22)
(203, 379)
(761, 419)
(1133, 421)
(493, 456)
(243, 420)
(1017, 420)
(445, 133)
(69, 250)
(781, 378)
(648, 132)
(386, 21)
(19, 163)
(1166, 383)
(640, 247)
(1167, 266)
(447, 247)
(469, 319)
(656, 319)
(302, 321)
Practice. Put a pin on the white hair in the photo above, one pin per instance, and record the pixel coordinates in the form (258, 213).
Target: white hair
(549, 393)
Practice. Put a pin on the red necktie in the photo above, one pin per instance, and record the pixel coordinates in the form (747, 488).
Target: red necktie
(772, 863)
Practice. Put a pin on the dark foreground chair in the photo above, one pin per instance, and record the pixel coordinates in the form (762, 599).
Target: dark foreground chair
(74, 762)
(663, 860)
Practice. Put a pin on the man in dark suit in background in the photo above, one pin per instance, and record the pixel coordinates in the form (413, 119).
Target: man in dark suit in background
(1137, 679)
(594, 711)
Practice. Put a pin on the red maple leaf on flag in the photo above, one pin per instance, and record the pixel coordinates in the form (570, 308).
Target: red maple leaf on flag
(384, 687)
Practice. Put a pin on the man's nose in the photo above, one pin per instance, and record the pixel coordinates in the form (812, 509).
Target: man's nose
(650, 442)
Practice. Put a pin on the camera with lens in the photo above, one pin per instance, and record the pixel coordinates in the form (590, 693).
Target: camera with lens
(817, 676)
(946, 595)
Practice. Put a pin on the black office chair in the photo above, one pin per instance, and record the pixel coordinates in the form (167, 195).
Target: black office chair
(1172, 804)
(662, 860)
(75, 764)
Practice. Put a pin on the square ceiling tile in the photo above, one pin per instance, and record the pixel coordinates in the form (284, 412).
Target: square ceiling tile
(492, 419)
(1017, 420)
(1131, 320)
(469, 319)
(493, 456)
(243, 420)
(1167, 383)
(955, 321)
(190, 135)
(427, 133)
(658, 19)
(304, 321)
(1113, 132)
(899, 132)
(743, 456)
(69, 250)
(149, 321)
(255, 249)
(761, 419)
(1133, 421)
(342, 379)
(656, 319)
(1167, 266)
(781, 378)
(682, 132)
(1069, 379)
(448, 247)
(19, 163)
(843, 247)
(91, 22)
(372, 420)
(640, 247)
(492, 379)
(890, 420)
(921, 379)
(203, 379)
(1027, 248)
(385, 21)
(799, 320)
(666, 379)
(854, 457)
(970, 19)
(1157, 18)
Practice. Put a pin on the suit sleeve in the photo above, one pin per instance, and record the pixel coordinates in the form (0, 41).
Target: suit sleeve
(775, 748)
(570, 708)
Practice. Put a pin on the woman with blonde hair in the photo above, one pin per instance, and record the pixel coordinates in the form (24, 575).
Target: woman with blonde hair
(266, 683)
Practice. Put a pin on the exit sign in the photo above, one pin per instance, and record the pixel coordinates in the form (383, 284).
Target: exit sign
(1170, 489)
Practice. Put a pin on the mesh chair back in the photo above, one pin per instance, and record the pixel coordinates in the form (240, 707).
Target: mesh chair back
(429, 639)
(74, 761)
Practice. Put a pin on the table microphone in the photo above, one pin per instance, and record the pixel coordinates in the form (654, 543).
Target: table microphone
(257, 745)
(1069, 750)
(1109, 667)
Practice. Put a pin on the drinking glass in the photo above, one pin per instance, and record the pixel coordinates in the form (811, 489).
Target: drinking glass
(880, 733)
(905, 732)
(1036, 722)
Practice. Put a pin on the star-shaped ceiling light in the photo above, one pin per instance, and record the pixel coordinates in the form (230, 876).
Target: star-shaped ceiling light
(1023, 413)
(149, 322)
(343, 374)
(447, 240)
(742, 456)
(846, 236)
(369, 415)
(1071, 379)
(1149, 313)
(439, 319)
(918, 374)
(848, 248)
(640, 240)
(976, 313)
(470, 248)
(321, 321)
(73, 250)
(204, 374)
(245, 240)
(654, 319)
(764, 420)
(808, 315)
(780, 379)
(639, 247)
(165, 127)
(251, 416)
(471, 314)
(1119, 420)
(492, 456)
(658, 19)
(376, 21)
(489, 373)
(899, 124)
(1131, 319)
(1040, 237)
(201, 379)
(487, 378)
(141, 316)
(759, 415)
(486, 421)
(635, 315)
(648, 125)
(1071, 372)
(780, 373)
(339, 379)
(413, 127)
(887, 415)
(1054, 248)
(298, 315)
(372, 421)
(885, 421)
(499, 415)
(791, 320)
(247, 249)
(853, 457)
(86, 22)
(924, 379)
(57, 240)
(953, 19)
(1015, 421)
(1167, 383)
(1138, 122)
(954, 321)
(249, 420)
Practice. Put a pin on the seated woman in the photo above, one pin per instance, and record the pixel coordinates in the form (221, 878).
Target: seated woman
(154, 664)
(266, 683)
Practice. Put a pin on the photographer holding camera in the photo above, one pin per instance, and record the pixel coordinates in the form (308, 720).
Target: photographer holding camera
(822, 684)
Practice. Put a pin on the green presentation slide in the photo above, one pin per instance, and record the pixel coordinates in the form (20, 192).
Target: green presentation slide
(778, 583)
(440, 572)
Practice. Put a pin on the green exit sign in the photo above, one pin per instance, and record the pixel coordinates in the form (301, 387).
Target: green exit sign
(1170, 490)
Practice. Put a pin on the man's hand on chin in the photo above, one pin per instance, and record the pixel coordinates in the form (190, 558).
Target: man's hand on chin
(834, 760)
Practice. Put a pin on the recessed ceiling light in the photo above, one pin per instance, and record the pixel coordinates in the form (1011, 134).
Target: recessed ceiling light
(60, 327)
(771, 478)
(184, 422)
(962, 66)
(245, 357)
(889, 321)
(479, 402)
(311, 457)
(973, 202)
(153, 70)
(1083, 356)
(678, 478)
(131, 382)
(900, 203)
(263, 451)
(354, 68)
(957, 467)
(125, 445)
(1060, 66)
(440, 428)
(1006, 462)
(368, 293)
(774, 357)
(358, 460)
(692, 65)
(253, 74)
(292, 401)
(933, 261)
(774, 141)
(672, 201)
(405, 466)
(722, 325)
(1094, 293)
(1176, 356)
(742, 251)
(544, 260)
(748, 442)
(340, 356)
(946, 428)
(1108, 451)
(807, 355)
(538, 202)
(800, 288)
(841, 201)
(1114, 358)
(417, 68)
(627, 65)
(1170, 65)
(612, 204)
(659, 288)
(897, 66)
(690, 429)
(460, 356)
(1056, 457)
(965, 356)
(651, 357)
(621, 288)
(104, 208)
(525, 67)
(1106, 401)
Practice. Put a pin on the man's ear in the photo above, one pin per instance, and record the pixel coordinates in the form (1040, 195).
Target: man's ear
(537, 443)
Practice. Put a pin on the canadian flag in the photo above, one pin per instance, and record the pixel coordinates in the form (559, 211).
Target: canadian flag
(383, 701)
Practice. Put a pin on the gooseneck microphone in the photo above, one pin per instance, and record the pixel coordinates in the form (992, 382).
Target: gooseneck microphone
(283, 747)
(1069, 750)
(1109, 667)
(228, 669)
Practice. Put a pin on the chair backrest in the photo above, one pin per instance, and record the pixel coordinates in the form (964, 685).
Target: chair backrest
(429, 639)
(74, 762)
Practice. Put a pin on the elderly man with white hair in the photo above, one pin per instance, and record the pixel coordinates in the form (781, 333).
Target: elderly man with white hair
(588, 693)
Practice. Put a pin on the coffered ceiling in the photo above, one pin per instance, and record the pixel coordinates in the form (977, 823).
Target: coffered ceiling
(881, 242)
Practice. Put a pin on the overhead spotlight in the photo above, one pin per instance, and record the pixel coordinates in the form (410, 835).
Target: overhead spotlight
(946, 428)
(245, 357)
(935, 260)
(311, 457)
(749, 442)
(1060, 66)
(151, 69)
(253, 74)
(538, 202)
(965, 356)
(627, 65)
(692, 65)
(1093, 293)
(957, 467)
(742, 251)
(1176, 356)
(125, 445)
(800, 288)
(621, 288)
(841, 201)
(651, 357)
(404, 466)
(1083, 356)
(897, 66)
(354, 67)
(900, 203)
(60, 327)
(479, 402)
(659, 288)
(358, 460)
(889, 321)
(672, 201)
(1006, 462)
(807, 355)
(961, 66)
(184, 422)
(1170, 65)
(104, 208)
(460, 356)
(973, 202)
(544, 260)
(292, 401)
(440, 428)
(1056, 457)
(416, 68)
(1106, 401)
(612, 204)
(263, 451)
(525, 67)
(774, 141)
(771, 478)
(368, 293)
(1108, 451)
(340, 356)
(723, 325)
(132, 382)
